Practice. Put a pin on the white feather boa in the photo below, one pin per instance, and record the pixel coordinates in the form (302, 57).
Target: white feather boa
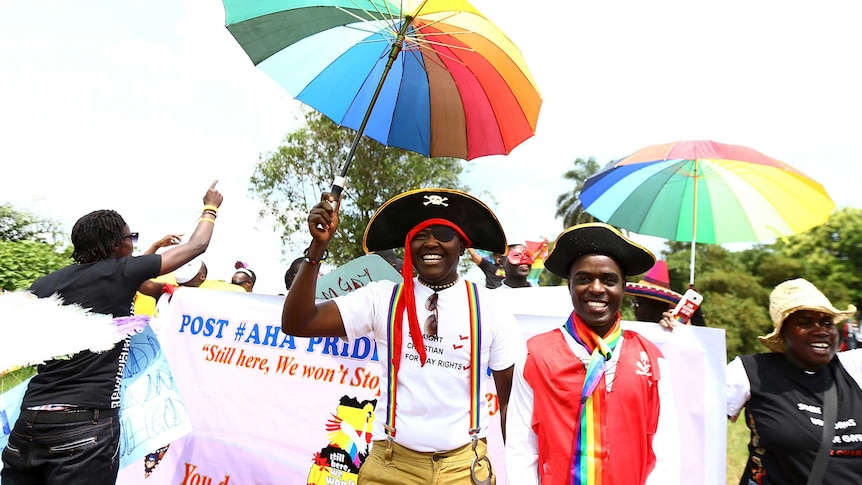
(33, 330)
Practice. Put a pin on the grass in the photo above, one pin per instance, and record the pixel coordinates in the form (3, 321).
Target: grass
(737, 449)
(12, 379)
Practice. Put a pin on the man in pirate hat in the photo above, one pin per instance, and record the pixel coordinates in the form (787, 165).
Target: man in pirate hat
(592, 403)
(436, 334)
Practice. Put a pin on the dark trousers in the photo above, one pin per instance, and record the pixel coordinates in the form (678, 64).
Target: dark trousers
(58, 452)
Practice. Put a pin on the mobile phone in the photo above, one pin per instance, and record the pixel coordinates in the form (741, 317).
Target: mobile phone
(686, 307)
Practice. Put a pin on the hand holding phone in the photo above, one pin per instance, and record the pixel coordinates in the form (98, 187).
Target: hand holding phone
(686, 307)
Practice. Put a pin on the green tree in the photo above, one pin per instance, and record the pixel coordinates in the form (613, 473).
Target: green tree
(28, 248)
(17, 225)
(733, 297)
(568, 205)
(831, 256)
(22, 262)
(290, 180)
(736, 285)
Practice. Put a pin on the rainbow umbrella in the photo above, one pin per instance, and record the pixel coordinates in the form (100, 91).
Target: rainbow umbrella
(707, 192)
(434, 77)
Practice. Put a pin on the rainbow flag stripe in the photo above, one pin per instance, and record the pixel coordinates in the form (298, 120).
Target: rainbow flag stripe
(393, 340)
(475, 356)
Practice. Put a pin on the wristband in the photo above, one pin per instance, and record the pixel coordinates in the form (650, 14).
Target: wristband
(315, 261)
(206, 219)
(211, 208)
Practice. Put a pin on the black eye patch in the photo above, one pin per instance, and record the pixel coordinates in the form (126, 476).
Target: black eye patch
(443, 233)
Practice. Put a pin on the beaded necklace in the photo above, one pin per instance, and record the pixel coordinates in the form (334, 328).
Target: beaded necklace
(437, 288)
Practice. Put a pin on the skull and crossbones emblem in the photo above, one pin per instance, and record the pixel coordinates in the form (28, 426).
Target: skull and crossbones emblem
(436, 200)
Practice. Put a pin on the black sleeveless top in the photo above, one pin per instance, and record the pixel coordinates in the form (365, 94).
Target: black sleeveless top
(785, 418)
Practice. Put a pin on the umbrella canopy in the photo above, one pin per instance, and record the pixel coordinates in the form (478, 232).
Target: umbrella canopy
(434, 77)
(707, 192)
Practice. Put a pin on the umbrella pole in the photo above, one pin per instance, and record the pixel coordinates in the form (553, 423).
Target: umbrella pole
(691, 265)
(693, 230)
(340, 180)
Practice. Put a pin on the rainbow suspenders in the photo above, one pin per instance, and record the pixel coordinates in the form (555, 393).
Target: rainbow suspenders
(475, 375)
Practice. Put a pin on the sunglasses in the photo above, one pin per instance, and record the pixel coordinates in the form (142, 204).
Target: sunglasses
(431, 322)
(133, 236)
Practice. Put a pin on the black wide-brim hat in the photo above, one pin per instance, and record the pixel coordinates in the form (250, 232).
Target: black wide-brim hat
(597, 238)
(389, 226)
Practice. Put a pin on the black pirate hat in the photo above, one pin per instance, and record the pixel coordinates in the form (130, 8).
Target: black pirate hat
(389, 226)
(597, 238)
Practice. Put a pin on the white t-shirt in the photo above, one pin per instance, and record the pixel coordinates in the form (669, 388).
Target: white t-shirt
(433, 402)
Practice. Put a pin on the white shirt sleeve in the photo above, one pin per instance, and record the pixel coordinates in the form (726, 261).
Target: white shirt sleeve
(666, 442)
(738, 388)
(358, 309)
(522, 450)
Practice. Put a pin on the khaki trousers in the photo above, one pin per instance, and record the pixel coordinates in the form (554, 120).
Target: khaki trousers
(408, 467)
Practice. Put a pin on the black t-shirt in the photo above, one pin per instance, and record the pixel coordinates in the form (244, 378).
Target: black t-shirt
(493, 274)
(786, 422)
(90, 379)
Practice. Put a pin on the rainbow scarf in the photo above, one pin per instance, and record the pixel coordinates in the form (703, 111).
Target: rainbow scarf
(587, 456)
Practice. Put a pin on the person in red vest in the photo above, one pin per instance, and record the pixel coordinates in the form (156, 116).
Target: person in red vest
(593, 403)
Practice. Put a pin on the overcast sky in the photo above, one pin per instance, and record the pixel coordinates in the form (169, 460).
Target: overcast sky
(138, 105)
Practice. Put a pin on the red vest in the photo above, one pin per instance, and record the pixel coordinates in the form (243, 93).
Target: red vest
(557, 377)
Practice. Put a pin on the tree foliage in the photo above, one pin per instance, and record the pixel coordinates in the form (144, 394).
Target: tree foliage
(736, 285)
(831, 255)
(23, 261)
(18, 225)
(291, 180)
(568, 205)
(27, 248)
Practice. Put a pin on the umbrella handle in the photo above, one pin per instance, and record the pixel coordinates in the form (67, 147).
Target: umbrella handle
(338, 185)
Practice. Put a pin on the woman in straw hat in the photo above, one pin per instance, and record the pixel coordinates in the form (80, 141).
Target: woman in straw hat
(803, 400)
(436, 335)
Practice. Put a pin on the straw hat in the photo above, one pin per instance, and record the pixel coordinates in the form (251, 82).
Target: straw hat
(792, 296)
(597, 238)
(655, 285)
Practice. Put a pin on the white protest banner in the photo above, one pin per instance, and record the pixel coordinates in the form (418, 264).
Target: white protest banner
(271, 408)
(269, 405)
